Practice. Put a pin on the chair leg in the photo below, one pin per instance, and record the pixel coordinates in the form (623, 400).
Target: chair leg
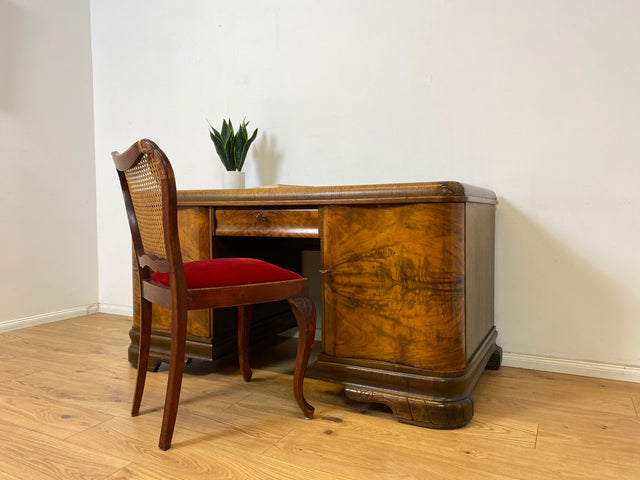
(305, 313)
(143, 354)
(176, 368)
(244, 330)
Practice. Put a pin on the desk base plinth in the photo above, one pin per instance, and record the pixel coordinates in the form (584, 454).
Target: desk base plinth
(426, 398)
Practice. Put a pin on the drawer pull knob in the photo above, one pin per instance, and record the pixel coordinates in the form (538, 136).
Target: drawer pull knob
(261, 217)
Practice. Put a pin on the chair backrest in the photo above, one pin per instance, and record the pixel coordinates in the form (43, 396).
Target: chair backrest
(149, 190)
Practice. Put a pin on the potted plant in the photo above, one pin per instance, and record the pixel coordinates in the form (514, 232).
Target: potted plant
(232, 148)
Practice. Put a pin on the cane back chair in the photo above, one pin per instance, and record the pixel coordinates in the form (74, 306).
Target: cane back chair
(148, 187)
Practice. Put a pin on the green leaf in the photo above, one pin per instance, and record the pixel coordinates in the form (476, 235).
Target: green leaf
(245, 148)
(217, 142)
(229, 148)
(227, 131)
(241, 140)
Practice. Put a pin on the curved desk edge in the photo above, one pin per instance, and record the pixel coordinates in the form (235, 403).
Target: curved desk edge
(339, 195)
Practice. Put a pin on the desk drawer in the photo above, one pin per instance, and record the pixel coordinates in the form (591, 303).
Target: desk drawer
(260, 222)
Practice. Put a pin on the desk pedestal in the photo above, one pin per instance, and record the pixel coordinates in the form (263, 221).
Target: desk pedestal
(408, 306)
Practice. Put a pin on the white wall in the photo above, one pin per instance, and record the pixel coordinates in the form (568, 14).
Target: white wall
(47, 184)
(535, 99)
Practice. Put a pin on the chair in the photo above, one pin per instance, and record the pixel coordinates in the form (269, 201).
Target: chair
(148, 187)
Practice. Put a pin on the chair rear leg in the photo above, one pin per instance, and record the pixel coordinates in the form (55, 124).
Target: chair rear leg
(143, 354)
(174, 383)
(305, 313)
(244, 330)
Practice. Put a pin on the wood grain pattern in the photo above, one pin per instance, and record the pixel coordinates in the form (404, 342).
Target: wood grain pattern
(339, 195)
(393, 284)
(529, 391)
(266, 222)
(527, 424)
(479, 266)
(30, 454)
(417, 410)
(580, 439)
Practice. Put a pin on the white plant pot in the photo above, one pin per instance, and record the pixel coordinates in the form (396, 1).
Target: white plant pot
(233, 179)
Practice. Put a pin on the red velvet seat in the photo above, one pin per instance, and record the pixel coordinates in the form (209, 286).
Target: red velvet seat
(221, 272)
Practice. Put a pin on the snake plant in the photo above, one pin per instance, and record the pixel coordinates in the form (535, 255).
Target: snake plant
(232, 147)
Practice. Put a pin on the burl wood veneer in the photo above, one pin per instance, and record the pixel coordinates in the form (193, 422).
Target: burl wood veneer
(408, 297)
(407, 283)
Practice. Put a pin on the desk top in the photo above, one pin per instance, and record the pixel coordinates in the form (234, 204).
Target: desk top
(282, 195)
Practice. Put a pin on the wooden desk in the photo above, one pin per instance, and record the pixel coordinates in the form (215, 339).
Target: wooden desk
(407, 275)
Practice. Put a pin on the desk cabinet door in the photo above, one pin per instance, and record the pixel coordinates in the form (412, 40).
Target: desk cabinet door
(393, 284)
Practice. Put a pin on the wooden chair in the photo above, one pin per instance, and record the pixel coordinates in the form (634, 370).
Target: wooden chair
(149, 190)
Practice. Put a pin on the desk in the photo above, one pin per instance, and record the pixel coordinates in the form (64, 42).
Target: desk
(407, 275)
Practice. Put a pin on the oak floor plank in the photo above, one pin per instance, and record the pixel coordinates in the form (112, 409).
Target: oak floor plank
(139, 472)
(361, 454)
(254, 432)
(29, 454)
(592, 440)
(510, 408)
(66, 389)
(12, 368)
(6, 476)
(45, 414)
(78, 329)
(9, 336)
(94, 391)
(340, 449)
(39, 351)
(192, 454)
(194, 428)
(136, 439)
(543, 387)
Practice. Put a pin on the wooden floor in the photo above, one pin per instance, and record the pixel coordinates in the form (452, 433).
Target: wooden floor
(65, 392)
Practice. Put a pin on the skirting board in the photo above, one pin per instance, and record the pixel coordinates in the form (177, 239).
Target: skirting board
(572, 367)
(33, 320)
(125, 310)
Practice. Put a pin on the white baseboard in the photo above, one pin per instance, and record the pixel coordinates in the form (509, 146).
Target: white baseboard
(573, 367)
(33, 320)
(116, 309)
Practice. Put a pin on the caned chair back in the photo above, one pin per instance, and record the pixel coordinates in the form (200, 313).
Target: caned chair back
(149, 190)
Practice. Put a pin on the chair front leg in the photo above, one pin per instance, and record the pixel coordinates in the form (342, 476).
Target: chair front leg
(176, 368)
(305, 313)
(143, 354)
(244, 331)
